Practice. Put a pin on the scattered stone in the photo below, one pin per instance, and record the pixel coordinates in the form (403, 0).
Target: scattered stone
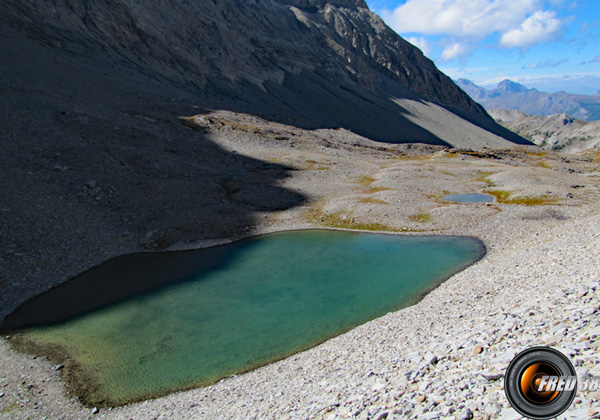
(467, 414)
(95, 410)
(478, 349)
(58, 367)
(201, 121)
(383, 415)
(420, 398)
(431, 416)
(492, 376)
(492, 410)
(430, 358)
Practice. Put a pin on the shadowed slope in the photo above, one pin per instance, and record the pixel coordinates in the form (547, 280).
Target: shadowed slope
(96, 163)
(313, 64)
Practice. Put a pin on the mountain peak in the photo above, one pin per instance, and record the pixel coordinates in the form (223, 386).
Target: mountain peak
(465, 82)
(510, 86)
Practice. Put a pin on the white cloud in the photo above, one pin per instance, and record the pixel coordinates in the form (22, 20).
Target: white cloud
(539, 27)
(461, 18)
(455, 51)
(593, 60)
(421, 43)
(462, 23)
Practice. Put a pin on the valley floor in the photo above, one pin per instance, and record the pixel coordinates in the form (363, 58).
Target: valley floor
(539, 284)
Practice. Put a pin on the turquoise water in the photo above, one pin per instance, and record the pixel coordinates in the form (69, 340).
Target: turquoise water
(469, 198)
(272, 296)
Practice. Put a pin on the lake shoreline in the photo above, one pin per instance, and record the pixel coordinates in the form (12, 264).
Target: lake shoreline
(81, 381)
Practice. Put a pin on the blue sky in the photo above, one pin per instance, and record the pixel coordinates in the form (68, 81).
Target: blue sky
(551, 45)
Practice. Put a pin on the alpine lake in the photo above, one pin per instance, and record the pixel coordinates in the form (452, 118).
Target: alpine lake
(144, 325)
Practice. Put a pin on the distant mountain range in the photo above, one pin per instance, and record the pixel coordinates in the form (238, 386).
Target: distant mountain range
(510, 95)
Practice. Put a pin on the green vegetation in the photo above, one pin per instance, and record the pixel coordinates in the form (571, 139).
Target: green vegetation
(505, 197)
(593, 154)
(343, 221)
(483, 176)
(373, 190)
(372, 200)
(365, 180)
(9, 407)
(539, 154)
(543, 164)
(500, 195)
(420, 217)
(313, 165)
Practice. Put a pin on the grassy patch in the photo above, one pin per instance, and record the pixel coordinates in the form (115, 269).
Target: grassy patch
(9, 407)
(544, 200)
(372, 200)
(484, 176)
(242, 127)
(313, 165)
(365, 180)
(420, 217)
(374, 190)
(539, 161)
(505, 197)
(343, 220)
(307, 165)
(543, 164)
(500, 195)
(416, 157)
(593, 154)
(540, 153)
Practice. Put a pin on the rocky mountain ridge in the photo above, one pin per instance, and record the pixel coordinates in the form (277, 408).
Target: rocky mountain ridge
(313, 63)
(556, 132)
(515, 96)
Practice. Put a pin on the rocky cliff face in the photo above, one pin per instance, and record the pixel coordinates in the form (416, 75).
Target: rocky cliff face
(314, 63)
(559, 132)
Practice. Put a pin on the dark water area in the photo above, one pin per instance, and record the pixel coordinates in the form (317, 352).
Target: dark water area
(144, 325)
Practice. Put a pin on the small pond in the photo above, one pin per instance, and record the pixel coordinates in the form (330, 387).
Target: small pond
(469, 198)
(144, 325)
